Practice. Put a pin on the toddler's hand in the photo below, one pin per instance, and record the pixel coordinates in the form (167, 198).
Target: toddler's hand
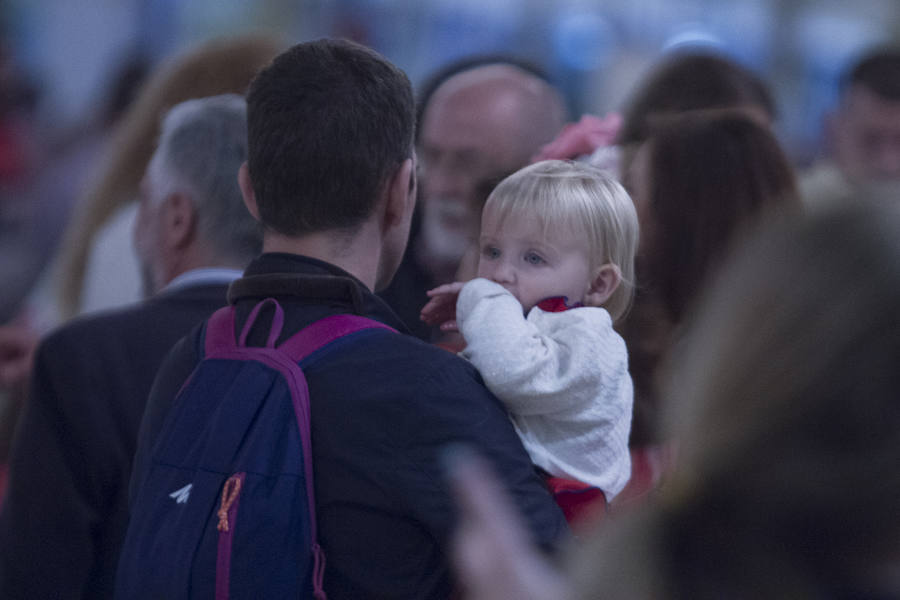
(441, 308)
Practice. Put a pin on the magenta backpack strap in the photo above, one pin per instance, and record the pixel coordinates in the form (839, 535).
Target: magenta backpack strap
(297, 347)
(274, 330)
(220, 327)
(220, 331)
(318, 334)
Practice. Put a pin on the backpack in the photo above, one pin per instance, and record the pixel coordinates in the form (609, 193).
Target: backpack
(227, 507)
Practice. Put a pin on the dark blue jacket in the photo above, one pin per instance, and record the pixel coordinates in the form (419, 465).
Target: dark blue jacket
(383, 409)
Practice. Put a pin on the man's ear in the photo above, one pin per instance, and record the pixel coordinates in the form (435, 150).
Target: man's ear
(179, 221)
(605, 281)
(247, 190)
(401, 194)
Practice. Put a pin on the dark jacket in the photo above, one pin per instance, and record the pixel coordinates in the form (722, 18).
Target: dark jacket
(383, 409)
(65, 513)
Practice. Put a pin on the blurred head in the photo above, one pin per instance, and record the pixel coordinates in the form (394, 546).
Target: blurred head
(690, 81)
(865, 130)
(561, 228)
(331, 125)
(189, 196)
(698, 182)
(783, 400)
(478, 126)
(219, 66)
(801, 406)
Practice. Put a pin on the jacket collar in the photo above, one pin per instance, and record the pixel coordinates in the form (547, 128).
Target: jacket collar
(282, 275)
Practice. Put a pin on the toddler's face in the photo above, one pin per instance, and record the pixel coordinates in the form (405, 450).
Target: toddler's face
(532, 264)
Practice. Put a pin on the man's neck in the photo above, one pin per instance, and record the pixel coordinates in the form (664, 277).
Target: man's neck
(357, 252)
(194, 257)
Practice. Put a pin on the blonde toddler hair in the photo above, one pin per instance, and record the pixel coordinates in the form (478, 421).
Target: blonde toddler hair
(576, 197)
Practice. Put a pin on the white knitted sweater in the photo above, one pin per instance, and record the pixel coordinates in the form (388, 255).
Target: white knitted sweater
(563, 376)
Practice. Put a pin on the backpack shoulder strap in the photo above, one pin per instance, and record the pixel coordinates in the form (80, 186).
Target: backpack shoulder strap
(297, 347)
(326, 330)
(220, 331)
(220, 335)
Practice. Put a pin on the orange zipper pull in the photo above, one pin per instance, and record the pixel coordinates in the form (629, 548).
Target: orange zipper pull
(230, 492)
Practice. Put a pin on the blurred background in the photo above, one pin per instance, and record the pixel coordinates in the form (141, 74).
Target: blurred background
(68, 68)
(65, 55)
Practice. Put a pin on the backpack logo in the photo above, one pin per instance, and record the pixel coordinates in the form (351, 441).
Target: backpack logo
(181, 495)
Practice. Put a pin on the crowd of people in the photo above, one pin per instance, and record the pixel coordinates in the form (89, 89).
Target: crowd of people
(637, 356)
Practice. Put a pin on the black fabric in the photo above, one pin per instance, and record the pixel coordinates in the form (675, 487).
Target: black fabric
(65, 513)
(383, 409)
(406, 295)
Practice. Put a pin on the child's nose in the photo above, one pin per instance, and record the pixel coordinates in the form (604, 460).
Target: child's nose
(503, 272)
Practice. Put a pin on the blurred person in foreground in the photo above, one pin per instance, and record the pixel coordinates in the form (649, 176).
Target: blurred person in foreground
(477, 126)
(336, 212)
(863, 135)
(784, 404)
(64, 517)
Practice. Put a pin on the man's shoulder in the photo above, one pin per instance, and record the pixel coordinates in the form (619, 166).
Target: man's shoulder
(407, 354)
(201, 300)
(402, 369)
(148, 326)
(420, 351)
(96, 326)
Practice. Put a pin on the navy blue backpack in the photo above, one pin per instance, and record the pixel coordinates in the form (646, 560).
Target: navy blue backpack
(227, 507)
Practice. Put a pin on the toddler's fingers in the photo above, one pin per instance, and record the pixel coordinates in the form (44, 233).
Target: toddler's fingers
(435, 311)
(430, 306)
(447, 288)
(449, 326)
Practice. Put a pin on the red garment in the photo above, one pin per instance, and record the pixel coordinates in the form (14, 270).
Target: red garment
(649, 466)
(580, 502)
(557, 304)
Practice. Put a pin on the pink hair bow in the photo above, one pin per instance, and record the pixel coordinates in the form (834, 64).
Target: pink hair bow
(582, 138)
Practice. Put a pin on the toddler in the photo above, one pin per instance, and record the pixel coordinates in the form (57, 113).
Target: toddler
(555, 270)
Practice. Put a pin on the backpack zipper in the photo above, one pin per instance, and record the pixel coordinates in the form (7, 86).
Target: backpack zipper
(230, 492)
(227, 515)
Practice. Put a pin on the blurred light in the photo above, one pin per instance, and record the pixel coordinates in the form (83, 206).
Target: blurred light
(828, 40)
(693, 35)
(583, 39)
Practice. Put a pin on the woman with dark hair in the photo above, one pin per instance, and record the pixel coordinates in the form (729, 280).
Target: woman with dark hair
(688, 81)
(698, 182)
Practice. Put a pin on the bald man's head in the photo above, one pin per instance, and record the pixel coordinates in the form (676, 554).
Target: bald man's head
(478, 126)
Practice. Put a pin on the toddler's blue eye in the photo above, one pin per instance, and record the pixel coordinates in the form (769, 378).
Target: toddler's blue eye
(533, 259)
(490, 252)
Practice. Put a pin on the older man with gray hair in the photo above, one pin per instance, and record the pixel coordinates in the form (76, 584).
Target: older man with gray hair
(65, 514)
(480, 120)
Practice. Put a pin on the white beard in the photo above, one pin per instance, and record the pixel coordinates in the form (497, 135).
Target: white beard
(447, 231)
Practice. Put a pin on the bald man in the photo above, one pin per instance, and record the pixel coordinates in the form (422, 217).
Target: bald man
(478, 126)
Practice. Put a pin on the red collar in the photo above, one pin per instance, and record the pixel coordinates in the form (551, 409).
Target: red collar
(556, 304)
